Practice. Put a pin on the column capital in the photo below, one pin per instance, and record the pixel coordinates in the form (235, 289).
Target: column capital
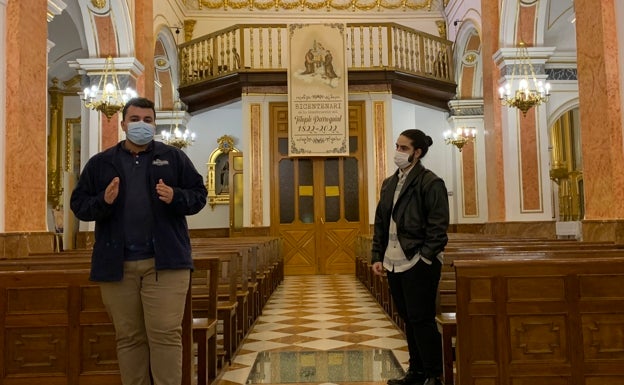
(55, 7)
(466, 107)
(95, 66)
(507, 57)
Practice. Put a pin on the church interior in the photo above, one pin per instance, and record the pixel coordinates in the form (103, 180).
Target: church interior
(510, 91)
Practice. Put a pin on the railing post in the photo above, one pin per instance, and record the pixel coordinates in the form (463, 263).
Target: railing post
(390, 45)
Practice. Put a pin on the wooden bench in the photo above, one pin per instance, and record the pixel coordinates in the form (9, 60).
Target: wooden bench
(555, 320)
(265, 257)
(55, 330)
(81, 261)
(458, 248)
(447, 300)
(227, 302)
(205, 282)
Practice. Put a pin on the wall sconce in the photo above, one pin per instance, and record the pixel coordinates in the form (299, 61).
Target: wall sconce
(460, 137)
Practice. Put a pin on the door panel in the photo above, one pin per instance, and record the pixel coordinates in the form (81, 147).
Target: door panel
(316, 202)
(236, 192)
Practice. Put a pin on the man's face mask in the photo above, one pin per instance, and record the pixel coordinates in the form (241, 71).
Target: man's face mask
(402, 159)
(140, 133)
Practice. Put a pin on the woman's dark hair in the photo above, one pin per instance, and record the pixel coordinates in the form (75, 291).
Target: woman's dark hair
(419, 140)
(138, 102)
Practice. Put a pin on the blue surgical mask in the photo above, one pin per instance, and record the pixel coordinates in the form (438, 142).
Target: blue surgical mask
(140, 133)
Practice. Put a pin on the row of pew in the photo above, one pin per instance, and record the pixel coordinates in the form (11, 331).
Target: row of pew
(55, 329)
(491, 288)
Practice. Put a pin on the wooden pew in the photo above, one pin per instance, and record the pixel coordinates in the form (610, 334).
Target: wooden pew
(227, 303)
(55, 330)
(267, 260)
(81, 261)
(447, 300)
(244, 293)
(459, 248)
(544, 321)
(204, 287)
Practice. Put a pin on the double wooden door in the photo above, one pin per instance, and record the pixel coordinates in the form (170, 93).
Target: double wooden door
(319, 204)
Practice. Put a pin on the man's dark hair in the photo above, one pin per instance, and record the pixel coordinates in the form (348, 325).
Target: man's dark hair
(419, 140)
(138, 102)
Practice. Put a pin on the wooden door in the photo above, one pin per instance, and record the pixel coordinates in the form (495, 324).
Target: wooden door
(319, 204)
(236, 192)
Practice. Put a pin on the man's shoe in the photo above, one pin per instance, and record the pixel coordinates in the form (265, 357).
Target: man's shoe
(432, 381)
(410, 378)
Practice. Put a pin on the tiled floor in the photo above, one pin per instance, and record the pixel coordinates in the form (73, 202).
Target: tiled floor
(325, 314)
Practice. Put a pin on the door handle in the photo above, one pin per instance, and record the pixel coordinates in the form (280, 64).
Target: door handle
(322, 220)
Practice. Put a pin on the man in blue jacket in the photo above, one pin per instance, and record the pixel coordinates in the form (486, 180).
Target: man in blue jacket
(139, 193)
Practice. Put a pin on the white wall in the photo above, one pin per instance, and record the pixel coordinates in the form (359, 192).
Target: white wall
(229, 120)
(209, 126)
(432, 122)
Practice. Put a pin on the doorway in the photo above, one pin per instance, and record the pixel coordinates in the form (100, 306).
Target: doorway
(319, 204)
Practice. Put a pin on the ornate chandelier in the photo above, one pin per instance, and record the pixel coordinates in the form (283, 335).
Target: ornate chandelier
(178, 138)
(523, 91)
(460, 137)
(107, 97)
(174, 136)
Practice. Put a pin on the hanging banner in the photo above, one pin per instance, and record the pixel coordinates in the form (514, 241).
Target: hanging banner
(317, 91)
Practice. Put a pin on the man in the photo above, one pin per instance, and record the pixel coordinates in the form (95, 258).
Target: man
(411, 221)
(138, 192)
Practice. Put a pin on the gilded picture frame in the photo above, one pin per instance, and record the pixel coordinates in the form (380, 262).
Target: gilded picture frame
(218, 178)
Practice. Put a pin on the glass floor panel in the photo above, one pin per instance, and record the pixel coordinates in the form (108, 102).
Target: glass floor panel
(342, 366)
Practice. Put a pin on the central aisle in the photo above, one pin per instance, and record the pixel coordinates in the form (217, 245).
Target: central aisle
(320, 329)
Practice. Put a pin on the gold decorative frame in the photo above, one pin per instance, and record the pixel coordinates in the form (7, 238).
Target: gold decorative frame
(218, 179)
(72, 145)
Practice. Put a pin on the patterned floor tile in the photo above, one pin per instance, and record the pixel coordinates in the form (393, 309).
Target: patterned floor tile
(322, 314)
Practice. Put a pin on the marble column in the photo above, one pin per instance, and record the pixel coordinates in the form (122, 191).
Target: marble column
(25, 202)
(600, 109)
(3, 50)
(144, 45)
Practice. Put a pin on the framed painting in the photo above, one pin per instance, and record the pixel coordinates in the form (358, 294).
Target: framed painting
(218, 179)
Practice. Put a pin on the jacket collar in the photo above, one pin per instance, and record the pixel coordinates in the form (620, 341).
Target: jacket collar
(411, 176)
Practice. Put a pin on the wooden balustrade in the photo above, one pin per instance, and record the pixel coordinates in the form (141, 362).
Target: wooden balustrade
(263, 47)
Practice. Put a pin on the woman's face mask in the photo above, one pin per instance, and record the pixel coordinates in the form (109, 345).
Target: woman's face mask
(402, 159)
(140, 133)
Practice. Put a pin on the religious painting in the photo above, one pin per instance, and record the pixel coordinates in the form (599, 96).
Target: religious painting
(218, 179)
(317, 90)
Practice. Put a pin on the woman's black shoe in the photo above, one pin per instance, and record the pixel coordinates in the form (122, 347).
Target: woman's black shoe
(410, 378)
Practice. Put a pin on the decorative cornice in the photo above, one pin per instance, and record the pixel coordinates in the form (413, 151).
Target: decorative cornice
(561, 73)
(312, 5)
(95, 66)
(55, 7)
(466, 107)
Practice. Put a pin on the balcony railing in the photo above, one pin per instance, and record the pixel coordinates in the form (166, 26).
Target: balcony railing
(263, 48)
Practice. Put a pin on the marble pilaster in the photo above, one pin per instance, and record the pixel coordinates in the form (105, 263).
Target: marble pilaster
(25, 204)
(3, 50)
(490, 10)
(525, 139)
(600, 109)
(470, 180)
(144, 45)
